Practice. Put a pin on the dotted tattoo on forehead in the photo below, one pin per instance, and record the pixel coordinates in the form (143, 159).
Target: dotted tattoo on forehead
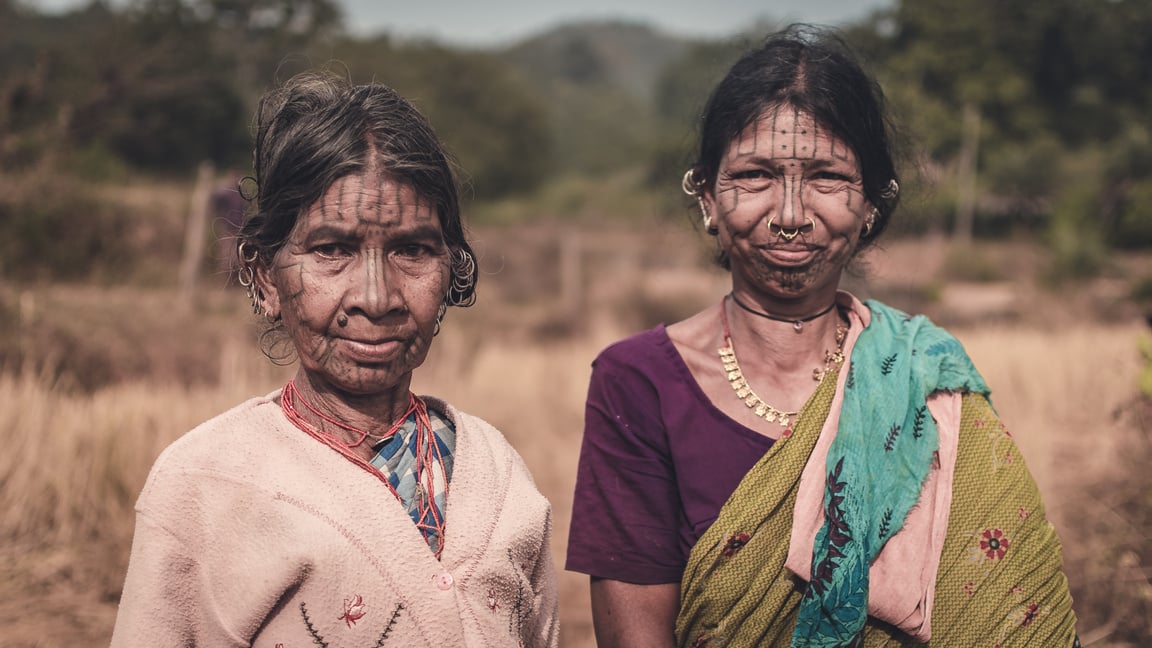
(803, 143)
(782, 145)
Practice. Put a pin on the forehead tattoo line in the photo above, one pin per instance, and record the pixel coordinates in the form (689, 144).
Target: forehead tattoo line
(341, 187)
(749, 137)
(362, 206)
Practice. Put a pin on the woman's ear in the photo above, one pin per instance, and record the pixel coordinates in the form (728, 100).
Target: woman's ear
(268, 293)
(870, 216)
(707, 205)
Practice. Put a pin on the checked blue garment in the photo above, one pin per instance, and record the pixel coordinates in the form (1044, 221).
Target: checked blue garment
(877, 463)
(396, 459)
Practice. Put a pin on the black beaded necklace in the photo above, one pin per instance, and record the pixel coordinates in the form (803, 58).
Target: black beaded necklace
(797, 323)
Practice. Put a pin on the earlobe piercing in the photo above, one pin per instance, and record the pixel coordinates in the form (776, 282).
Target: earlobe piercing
(871, 220)
(693, 187)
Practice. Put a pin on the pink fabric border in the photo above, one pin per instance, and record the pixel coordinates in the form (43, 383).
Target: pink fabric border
(903, 577)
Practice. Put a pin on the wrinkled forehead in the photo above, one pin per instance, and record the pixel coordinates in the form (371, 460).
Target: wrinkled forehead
(372, 199)
(785, 132)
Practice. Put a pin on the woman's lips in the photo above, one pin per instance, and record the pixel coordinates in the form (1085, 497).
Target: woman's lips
(789, 256)
(372, 351)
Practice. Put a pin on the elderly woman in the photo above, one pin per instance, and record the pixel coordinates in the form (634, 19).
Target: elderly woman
(343, 509)
(792, 466)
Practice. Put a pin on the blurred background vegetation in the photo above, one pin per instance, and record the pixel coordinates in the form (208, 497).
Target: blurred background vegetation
(1022, 118)
(1026, 226)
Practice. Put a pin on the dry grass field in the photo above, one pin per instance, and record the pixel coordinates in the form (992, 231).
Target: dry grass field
(104, 379)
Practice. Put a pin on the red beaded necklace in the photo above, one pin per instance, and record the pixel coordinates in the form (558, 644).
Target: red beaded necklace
(290, 396)
(428, 460)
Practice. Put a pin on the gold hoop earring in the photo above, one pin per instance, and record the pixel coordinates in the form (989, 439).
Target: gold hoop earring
(868, 222)
(246, 276)
(440, 313)
(891, 190)
(689, 184)
(693, 187)
(709, 226)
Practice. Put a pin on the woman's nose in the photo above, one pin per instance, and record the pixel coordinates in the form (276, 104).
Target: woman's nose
(791, 203)
(374, 289)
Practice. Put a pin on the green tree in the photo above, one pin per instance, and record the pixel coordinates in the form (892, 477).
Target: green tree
(1041, 81)
(492, 122)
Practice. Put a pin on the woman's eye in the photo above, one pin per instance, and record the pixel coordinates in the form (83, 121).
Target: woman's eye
(831, 175)
(751, 174)
(331, 251)
(413, 250)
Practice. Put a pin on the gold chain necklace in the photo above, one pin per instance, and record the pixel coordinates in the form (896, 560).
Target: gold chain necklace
(744, 390)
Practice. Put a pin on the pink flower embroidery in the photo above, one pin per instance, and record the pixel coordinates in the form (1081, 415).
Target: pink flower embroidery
(701, 641)
(969, 588)
(994, 544)
(1016, 589)
(735, 542)
(353, 610)
(978, 423)
(1023, 514)
(1029, 615)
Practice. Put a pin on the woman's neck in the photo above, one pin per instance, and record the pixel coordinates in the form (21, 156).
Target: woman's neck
(777, 342)
(373, 414)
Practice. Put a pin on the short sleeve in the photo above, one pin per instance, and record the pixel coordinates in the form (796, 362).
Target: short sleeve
(626, 511)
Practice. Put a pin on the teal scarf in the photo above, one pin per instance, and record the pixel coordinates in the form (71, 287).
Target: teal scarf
(877, 463)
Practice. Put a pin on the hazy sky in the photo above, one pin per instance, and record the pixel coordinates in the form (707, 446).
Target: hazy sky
(481, 22)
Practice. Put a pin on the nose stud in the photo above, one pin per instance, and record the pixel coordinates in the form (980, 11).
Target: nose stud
(342, 320)
(790, 233)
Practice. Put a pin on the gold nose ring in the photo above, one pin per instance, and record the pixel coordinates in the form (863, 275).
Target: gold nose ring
(789, 234)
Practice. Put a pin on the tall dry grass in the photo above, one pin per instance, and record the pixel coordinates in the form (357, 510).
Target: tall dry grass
(72, 461)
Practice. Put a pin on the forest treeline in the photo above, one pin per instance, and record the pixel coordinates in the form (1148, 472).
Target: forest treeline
(1019, 115)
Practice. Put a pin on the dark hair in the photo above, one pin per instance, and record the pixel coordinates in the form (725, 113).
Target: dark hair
(813, 70)
(317, 128)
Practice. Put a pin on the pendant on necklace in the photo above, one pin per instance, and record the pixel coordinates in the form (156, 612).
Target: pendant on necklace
(798, 326)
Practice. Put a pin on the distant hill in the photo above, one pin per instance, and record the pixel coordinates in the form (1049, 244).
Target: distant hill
(626, 56)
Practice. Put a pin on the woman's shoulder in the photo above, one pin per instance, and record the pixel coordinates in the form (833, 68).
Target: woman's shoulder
(483, 442)
(228, 434)
(646, 343)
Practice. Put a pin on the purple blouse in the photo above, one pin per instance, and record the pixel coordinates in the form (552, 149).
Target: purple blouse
(657, 463)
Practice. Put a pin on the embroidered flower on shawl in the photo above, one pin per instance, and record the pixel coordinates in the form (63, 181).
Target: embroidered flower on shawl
(1023, 514)
(735, 542)
(701, 642)
(969, 588)
(1027, 614)
(353, 610)
(994, 544)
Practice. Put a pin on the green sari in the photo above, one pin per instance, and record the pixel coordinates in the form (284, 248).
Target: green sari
(999, 581)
